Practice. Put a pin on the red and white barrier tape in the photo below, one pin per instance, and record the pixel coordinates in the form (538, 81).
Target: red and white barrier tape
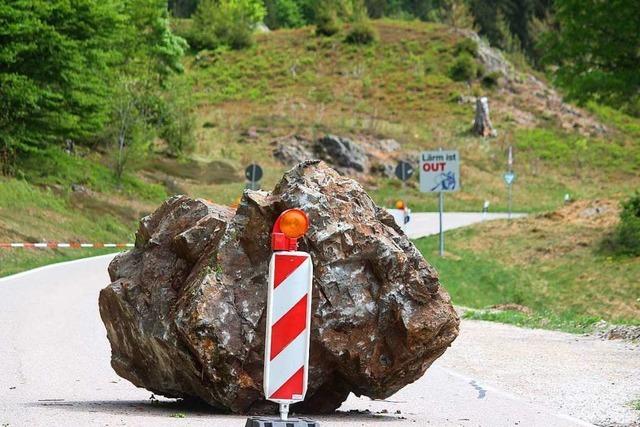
(71, 245)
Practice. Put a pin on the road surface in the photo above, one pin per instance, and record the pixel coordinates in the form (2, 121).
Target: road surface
(427, 223)
(55, 371)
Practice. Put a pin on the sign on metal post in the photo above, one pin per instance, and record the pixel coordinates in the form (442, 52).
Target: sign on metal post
(440, 173)
(404, 170)
(288, 326)
(253, 173)
(509, 177)
(286, 358)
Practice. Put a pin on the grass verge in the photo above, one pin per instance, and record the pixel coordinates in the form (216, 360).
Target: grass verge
(19, 260)
(550, 267)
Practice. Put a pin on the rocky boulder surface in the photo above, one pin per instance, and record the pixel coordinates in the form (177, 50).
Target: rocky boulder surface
(342, 152)
(361, 156)
(185, 312)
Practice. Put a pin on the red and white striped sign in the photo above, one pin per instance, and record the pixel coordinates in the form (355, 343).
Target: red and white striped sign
(61, 245)
(288, 327)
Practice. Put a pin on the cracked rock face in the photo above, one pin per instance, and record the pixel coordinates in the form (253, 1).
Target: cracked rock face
(185, 312)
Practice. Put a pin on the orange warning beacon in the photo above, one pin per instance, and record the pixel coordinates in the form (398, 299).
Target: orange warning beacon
(290, 225)
(286, 358)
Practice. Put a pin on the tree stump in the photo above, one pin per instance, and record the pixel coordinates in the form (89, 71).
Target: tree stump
(482, 123)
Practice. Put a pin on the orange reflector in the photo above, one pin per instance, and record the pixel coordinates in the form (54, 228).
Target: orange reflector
(399, 204)
(294, 223)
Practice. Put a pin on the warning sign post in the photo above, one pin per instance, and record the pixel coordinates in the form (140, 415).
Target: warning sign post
(288, 328)
(440, 173)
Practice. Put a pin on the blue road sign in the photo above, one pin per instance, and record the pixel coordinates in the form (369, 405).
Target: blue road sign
(509, 177)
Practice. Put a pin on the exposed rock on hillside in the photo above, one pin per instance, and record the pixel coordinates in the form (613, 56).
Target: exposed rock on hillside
(292, 150)
(527, 99)
(341, 152)
(185, 311)
(363, 155)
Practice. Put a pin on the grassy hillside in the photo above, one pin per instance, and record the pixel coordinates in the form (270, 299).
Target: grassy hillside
(42, 206)
(294, 83)
(548, 270)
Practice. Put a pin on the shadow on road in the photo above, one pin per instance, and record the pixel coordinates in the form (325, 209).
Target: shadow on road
(161, 408)
(185, 409)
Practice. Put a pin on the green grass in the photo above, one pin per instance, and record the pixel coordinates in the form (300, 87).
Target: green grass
(18, 260)
(554, 270)
(30, 213)
(53, 167)
(292, 82)
(41, 206)
(567, 322)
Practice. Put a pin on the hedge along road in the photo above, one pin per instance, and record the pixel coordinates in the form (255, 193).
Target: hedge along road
(55, 362)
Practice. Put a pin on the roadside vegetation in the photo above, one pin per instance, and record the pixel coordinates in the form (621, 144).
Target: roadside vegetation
(548, 270)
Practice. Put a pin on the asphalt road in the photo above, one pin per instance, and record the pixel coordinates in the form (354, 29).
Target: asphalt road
(427, 223)
(55, 371)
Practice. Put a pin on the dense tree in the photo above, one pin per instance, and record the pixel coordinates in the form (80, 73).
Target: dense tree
(226, 23)
(149, 40)
(142, 101)
(55, 66)
(283, 14)
(61, 64)
(182, 8)
(596, 47)
(506, 23)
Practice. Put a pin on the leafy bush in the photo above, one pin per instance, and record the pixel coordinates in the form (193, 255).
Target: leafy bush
(361, 32)
(225, 23)
(626, 238)
(490, 80)
(464, 68)
(467, 46)
(182, 27)
(176, 121)
(326, 21)
(283, 14)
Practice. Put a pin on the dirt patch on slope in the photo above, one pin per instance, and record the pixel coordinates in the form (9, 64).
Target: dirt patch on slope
(591, 213)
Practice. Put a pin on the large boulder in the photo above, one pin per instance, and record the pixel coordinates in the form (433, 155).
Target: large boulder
(185, 314)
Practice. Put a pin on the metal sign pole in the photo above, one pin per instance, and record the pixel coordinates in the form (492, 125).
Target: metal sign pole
(441, 208)
(510, 185)
(253, 174)
(440, 173)
(510, 167)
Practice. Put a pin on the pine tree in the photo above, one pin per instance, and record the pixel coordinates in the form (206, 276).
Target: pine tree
(595, 49)
(457, 14)
(55, 68)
